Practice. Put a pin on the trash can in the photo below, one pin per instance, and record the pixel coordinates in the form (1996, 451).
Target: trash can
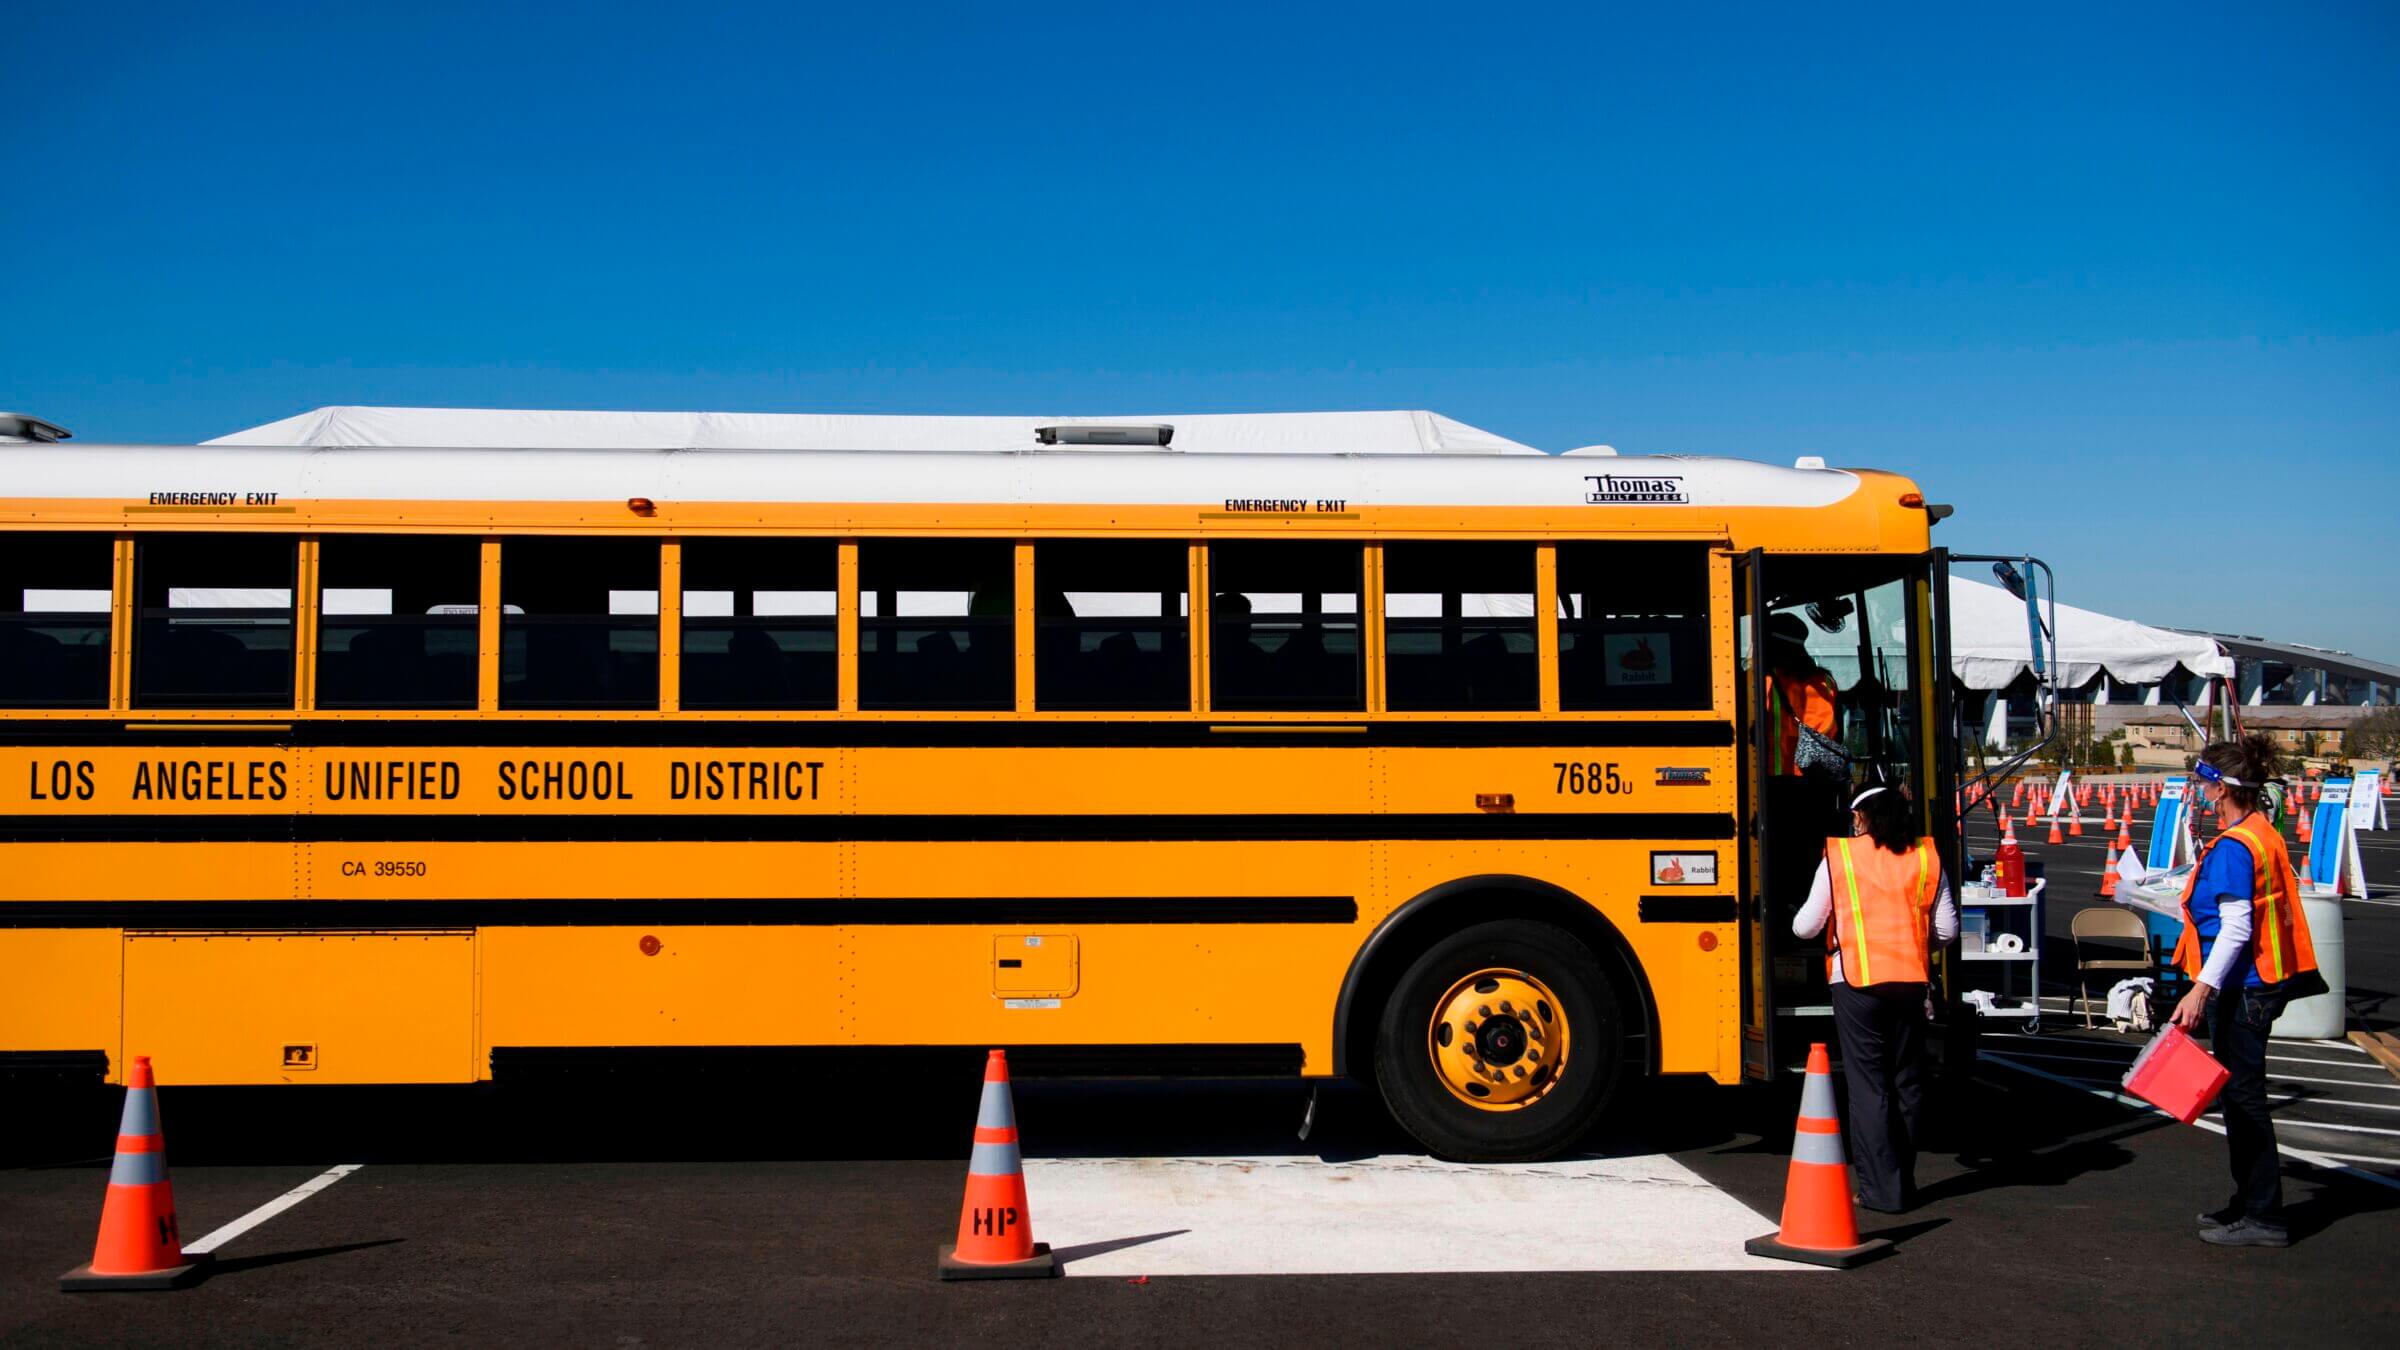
(2323, 1016)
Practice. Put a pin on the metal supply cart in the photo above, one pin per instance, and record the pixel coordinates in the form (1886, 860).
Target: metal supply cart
(1981, 922)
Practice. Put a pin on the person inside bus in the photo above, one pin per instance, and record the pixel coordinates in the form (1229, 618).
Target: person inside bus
(1800, 695)
(2241, 908)
(1804, 785)
(1882, 901)
(1241, 665)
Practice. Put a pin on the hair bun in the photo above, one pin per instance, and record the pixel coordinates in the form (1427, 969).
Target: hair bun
(2262, 758)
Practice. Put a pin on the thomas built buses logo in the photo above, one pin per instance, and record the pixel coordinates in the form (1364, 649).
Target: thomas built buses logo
(1610, 489)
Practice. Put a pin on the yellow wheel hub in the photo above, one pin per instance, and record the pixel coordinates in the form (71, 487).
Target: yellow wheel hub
(1498, 1040)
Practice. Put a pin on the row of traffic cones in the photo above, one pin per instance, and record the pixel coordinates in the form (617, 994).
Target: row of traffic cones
(140, 1248)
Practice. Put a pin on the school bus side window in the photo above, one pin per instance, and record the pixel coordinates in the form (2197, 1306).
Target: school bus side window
(1111, 625)
(578, 623)
(396, 623)
(758, 623)
(54, 601)
(937, 624)
(1458, 628)
(1633, 627)
(1284, 627)
(213, 620)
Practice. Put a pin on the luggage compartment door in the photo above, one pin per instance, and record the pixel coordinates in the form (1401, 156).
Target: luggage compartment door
(301, 1007)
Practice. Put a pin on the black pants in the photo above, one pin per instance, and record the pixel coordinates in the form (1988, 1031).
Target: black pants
(2238, 1021)
(1882, 1030)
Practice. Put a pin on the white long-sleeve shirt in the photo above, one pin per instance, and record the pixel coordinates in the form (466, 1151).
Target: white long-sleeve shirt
(2232, 944)
(1811, 920)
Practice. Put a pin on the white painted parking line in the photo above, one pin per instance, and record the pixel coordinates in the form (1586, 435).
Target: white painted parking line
(211, 1241)
(2311, 1099)
(2303, 1059)
(2294, 1100)
(2336, 1082)
(2294, 1121)
(2101, 1049)
(2102, 1061)
(2358, 1157)
(1396, 1215)
(2313, 1158)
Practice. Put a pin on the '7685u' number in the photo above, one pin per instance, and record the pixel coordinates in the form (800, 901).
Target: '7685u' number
(1588, 780)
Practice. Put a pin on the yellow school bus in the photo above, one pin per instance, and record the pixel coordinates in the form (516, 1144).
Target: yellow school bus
(1123, 746)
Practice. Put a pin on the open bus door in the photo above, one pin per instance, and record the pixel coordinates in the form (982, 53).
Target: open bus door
(1945, 820)
(1876, 628)
(2030, 580)
(1758, 939)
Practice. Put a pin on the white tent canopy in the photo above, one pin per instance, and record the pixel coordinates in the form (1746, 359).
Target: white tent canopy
(1990, 647)
(1402, 432)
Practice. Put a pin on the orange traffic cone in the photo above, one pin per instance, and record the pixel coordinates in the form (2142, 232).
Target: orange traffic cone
(139, 1247)
(1819, 1226)
(2108, 875)
(2108, 822)
(2056, 835)
(2004, 820)
(2125, 832)
(2075, 825)
(2302, 820)
(995, 1229)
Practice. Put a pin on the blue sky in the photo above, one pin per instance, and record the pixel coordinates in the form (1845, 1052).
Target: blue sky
(2120, 281)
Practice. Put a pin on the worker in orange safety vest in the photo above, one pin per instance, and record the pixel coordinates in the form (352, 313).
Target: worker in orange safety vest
(2245, 944)
(1883, 903)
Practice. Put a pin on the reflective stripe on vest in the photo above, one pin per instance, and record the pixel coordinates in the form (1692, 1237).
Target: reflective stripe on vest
(1883, 911)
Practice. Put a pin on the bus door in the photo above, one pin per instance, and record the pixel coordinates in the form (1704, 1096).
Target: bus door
(1838, 692)
(1758, 944)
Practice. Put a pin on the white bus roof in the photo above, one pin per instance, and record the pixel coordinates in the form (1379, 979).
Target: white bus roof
(1304, 433)
(1126, 477)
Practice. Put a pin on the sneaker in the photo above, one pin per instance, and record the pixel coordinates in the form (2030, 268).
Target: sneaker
(2221, 1218)
(2247, 1233)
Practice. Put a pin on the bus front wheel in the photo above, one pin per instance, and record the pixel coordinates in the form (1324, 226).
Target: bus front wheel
(1501, 1043)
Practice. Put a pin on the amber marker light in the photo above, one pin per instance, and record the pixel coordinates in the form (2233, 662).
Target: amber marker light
(641, 506)
(1912, 500)
(1495, 801)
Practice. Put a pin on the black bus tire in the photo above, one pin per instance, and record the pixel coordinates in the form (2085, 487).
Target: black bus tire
(1440, 1118)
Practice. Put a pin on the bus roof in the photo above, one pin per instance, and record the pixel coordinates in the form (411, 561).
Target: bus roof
(1300, 433)
(1240, 482)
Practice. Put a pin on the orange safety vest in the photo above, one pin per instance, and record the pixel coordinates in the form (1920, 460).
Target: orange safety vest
(1795, 701)
(2279, 938)
(1882, 911)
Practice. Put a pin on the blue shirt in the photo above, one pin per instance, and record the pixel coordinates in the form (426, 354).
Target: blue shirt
(2224, 879)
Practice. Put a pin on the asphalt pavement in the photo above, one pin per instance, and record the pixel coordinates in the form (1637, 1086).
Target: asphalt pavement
(763, 1205)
